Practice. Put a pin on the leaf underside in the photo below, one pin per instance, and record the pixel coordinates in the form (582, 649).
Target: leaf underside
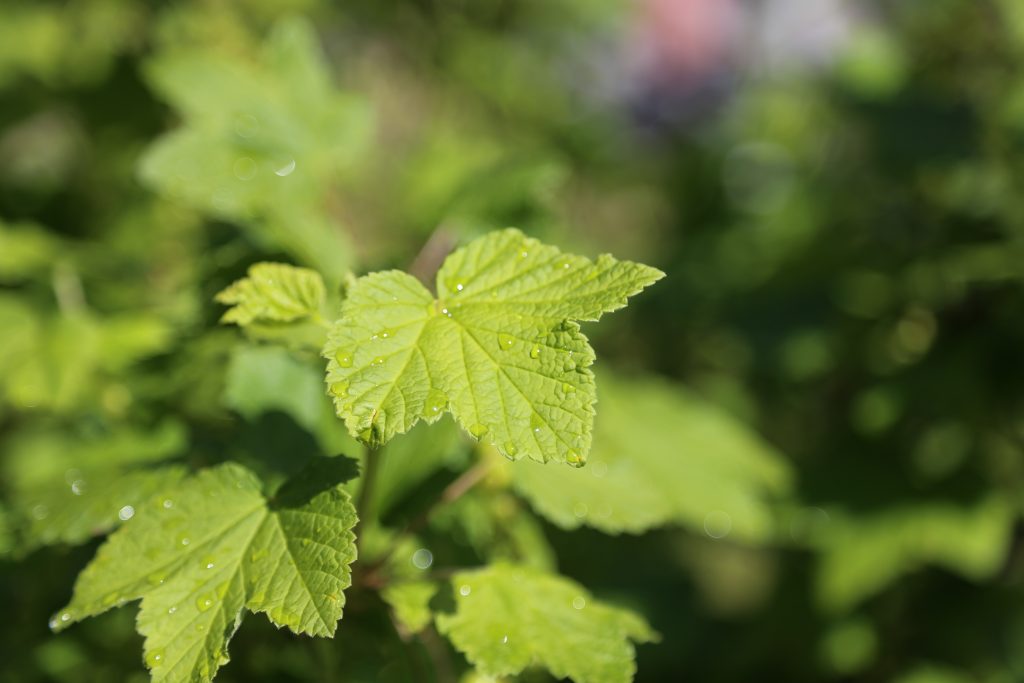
(500, 347)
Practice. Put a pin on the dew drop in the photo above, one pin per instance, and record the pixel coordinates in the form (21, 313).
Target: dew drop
(465, 590)
(344, 358)
(504, 640)
(205, 602)
(78, 487)
(384, 334)
(172, 610)
(536, 423)
(183, 539)
(568, 388)
(437, 402)
(511, 449)
(564, 263)
(286, 170)
(575, 459)
(126, 513)
(459, 286)
(168, 504)
(154, 658)
(422, 559)
(379, 360)
(505, 341)
(579, 602)
(535, 352)
(717, 524)
(478, 430)
(339, 389)
(207, 562)
(306, 542)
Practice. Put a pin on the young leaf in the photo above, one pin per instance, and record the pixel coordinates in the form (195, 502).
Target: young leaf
(213, 546)
(662, 456)
(499, 347)
(508, 618)
(273, 292)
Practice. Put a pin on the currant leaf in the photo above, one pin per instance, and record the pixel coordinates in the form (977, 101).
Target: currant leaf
(500, 347)
(508, 618)
(213, 546)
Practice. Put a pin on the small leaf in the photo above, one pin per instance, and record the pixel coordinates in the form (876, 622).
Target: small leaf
(214, 545)
(273, 292)
(662, 455)
(410, 600)
(499, 348)
(508, 618)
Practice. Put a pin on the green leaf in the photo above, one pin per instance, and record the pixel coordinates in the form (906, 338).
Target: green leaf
(25, 250)
(508, 618)
(662, 455)
(273, 292)
(68, 488)
(862, 554)
(265, 139)
(411, 602)
(213, 546)
(499, 347)
(263, 379)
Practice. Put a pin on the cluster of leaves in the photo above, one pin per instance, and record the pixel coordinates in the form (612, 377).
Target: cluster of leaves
(842, 252)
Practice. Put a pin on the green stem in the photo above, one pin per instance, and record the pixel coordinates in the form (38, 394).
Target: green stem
(365, 501)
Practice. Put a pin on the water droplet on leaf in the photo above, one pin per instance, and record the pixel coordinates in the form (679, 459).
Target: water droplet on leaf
(205, 602)
(536, 423)
(478, 430)
(535, 352)
(465, 590)
(286, 169)
(154, 658)
(579, 602)
(437, 402)
(339, 389)
(505, 341)
(511, 449)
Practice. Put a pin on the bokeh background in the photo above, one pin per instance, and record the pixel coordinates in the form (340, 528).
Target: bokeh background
(830, 378)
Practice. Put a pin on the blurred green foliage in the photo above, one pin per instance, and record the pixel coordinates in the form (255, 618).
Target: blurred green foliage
(827, 385)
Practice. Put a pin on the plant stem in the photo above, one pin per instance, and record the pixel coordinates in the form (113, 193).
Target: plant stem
(364, 503)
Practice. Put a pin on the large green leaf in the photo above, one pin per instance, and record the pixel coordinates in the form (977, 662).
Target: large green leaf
(662, 455)
(499, 347)
(508, 618)
(214, 545)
